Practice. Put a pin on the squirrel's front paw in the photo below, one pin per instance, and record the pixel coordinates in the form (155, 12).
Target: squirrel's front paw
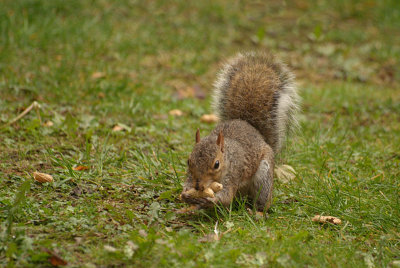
(212, 200)
(187, 197)
(205, 198)
(206, 202)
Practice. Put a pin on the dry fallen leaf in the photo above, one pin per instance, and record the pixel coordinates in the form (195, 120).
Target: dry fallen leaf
(57, 261)
(42, 177)
(176, 112)
(80, 168)
(209, 118)
(284, 173)
(54, 258)
(97, 75)
(325, 219)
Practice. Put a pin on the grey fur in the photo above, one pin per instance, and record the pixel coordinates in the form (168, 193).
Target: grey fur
(275, 123)
(256, 99)
(244, 150)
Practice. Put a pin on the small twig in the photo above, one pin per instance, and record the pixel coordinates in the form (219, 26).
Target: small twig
(35, 105)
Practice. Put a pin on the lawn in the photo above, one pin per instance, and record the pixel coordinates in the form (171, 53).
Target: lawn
(106, 75)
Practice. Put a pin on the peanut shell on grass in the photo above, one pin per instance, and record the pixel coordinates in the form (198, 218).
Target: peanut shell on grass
(42, 177)
(325, 219)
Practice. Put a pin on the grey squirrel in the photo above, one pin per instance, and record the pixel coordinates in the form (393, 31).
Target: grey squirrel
(256, 99)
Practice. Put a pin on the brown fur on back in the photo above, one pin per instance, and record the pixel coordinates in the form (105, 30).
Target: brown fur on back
(249, 88)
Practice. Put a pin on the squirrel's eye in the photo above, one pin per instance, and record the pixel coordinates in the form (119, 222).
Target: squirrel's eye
(216, 165)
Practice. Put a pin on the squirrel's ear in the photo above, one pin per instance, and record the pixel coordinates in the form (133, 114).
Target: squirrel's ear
(220, 141)
(197, 136)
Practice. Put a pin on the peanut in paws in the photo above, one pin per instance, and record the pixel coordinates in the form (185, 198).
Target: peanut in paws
(208, 192)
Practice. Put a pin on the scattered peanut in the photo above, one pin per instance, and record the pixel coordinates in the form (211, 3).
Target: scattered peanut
(42, 177)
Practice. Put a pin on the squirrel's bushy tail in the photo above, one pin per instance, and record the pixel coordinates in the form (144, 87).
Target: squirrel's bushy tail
(257, 88)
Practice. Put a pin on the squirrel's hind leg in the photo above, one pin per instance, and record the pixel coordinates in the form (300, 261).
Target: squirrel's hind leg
(261, 190)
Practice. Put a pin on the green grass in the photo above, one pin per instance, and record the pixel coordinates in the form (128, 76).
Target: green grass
(346, 153)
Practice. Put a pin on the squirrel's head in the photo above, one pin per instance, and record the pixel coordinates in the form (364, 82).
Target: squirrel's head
(206, 162)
